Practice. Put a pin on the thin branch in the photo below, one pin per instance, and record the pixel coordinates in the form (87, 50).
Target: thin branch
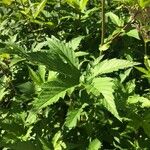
(103, 22)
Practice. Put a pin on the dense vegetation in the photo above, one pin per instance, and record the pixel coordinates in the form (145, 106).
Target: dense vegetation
(74, 74)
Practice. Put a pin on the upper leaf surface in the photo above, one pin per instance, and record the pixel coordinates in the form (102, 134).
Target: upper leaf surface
(109, 66)
(95, 145)
(54, 62)
(51, 92)
(104, 86)
(64, 50)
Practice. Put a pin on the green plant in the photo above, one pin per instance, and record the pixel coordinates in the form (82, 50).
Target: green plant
(56, 90)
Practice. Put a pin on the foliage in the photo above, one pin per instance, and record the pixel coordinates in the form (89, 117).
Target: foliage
(60, 88)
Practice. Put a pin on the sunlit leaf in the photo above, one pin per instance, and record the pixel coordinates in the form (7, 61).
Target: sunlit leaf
(104, 86)
(133, 33)
(95, 145)
(39, 8)
(108, 66)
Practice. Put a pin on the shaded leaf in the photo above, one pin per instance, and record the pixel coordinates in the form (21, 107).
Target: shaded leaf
(115, 19)
(73, 116)
(52, 91)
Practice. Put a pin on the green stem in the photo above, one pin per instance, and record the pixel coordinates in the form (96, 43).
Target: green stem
(103, 22)
(145, 47)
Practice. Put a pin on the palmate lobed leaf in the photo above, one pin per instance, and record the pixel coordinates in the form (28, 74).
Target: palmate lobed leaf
(51, 92)
(104, 86)
(63, 49)
(109, 66)
(54, 62)
(60, 57)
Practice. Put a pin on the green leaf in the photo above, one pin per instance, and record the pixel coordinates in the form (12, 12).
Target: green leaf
(52, 91)
(147, 62)
(143, 70)
(57, 142)
(64, 50)
(115, 19)
(104, 47)
(133, 33)
(139, 99)
(39, 8)
(60, 58)
(74, 3)
(11, 48)
(124, 75)
(104, 86)
(83, 4)
(146, 124)
(8, 2)
(73, 116)
(3, 92)
(42, 72)
(54, 62)
(44, 144)
(27, 88)
(79, 5)
(74, 43)
(144, 3)
(80, 53)
(109, 66)
(95, 145)
(35, 77)
(31, 118)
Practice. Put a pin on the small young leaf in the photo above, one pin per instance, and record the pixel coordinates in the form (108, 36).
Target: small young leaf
(139, 99)
(95, 145)
(83, 4)
(35, 77)
(115, 19)
(143, 70)
(73, 116)
(39, 8)
(133, 33)
(74, 43)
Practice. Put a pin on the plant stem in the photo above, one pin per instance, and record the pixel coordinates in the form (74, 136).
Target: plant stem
(103, 22)
(123, 28)
(145, 47)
